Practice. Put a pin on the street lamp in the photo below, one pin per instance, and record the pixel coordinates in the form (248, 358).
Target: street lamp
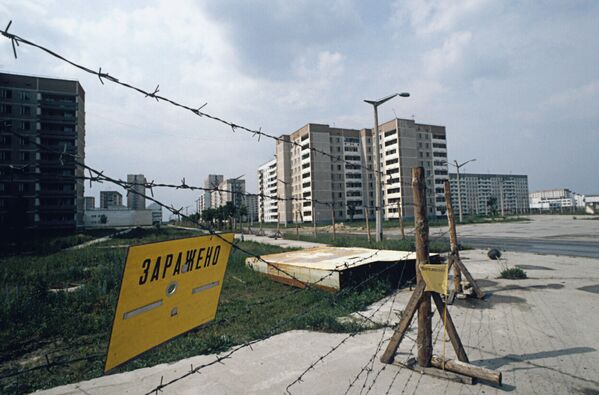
(457, 167)
(377, 164)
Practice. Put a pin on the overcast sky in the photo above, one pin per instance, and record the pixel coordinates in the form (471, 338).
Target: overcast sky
(515, 83)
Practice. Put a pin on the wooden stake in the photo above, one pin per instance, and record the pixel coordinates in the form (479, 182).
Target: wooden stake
(424, 338)
(367, 224)
(467, 369)
(451, 331)
(458, 263)
(442, 374)
(453, 239)
(333, 219)
(404, 323)
(400, 218)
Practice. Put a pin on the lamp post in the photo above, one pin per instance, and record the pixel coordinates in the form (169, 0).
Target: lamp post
(457, 167)
(377, 164)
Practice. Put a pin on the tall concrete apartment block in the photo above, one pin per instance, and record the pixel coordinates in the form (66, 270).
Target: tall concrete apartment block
(347, 184)
(406, 144)
(267, 186)
(136, 201)
(39, 189)
(110, 199)
(510, 193)
(205, 201)
(230, 190)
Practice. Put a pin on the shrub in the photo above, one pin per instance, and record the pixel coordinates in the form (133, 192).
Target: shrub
(513, 273)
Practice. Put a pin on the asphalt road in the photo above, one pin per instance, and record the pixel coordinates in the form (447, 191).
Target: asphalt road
(577, 248)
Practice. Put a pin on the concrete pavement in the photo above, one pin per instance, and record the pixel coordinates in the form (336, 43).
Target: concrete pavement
(540, 332)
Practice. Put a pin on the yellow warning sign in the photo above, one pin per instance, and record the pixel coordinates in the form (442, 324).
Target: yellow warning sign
(168, 288)
(435, 277)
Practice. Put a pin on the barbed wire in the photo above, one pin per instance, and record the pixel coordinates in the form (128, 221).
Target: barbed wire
(103, 177)
(273, 331)
(333, 349)
(154, 94)
(99, 176)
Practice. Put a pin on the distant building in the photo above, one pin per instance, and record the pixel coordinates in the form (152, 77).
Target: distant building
(110, 199)
(267, 186)
(136, 201)
(40, 189)
(90, 202)
(156, 213)
(251, 203)
(510, 193)
(230, 190)
(115, 217)
(556, 200)
(591, 204)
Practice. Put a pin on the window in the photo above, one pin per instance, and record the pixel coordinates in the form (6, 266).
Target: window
(5, 94)
(25, 110)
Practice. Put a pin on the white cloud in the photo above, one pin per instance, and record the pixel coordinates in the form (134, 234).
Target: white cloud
(450, 54)
(436, 16)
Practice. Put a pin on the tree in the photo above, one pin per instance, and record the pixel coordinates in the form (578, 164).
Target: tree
(351, 210)
(492, 205)
(208, 215)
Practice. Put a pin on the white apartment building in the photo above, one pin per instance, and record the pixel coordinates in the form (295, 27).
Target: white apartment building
(230, 190)
(342, 182)
(267, 186)
(510, 192)
(556, 200)
(406, 144)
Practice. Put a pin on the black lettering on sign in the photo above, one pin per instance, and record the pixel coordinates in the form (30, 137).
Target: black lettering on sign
(146, 267)
(177, 268)
(199, 261)
(216, 252)
(167, 263)
(156, 271)
(208, 256)
(191, 254)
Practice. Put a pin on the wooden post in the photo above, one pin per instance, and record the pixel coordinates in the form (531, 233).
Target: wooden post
(456, 342)
(453, 239)
(367, 224)
(333, 219)
(424, 338)
(404, 323)
(467, 369)
(400, 218)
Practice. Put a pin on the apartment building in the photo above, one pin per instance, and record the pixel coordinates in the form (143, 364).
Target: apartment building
(556, 200)
(342, 182)
(510, 193)
(230, 190)
(110, 199)
(267, 186)
(328, 184)
(136, 200)
(212, 181)
(40, 189)
(405, 144)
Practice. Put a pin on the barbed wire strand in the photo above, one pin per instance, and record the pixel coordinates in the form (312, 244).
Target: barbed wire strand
(104, 76)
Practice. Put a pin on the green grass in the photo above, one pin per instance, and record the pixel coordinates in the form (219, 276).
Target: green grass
(358, 240)
(45, 245)
(35, 323)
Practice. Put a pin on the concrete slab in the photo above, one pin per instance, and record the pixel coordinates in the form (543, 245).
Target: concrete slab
(540, 332)
(329, 267)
